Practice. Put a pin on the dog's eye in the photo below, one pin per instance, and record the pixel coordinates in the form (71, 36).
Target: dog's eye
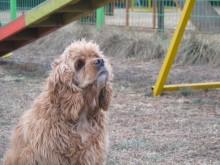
(80, 64)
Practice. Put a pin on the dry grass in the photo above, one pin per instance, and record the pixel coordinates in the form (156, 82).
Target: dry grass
(195, 50)
(127, 44)
(176, 128)
(113, 41)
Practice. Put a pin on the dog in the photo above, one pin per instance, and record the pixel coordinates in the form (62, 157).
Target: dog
(68, 122)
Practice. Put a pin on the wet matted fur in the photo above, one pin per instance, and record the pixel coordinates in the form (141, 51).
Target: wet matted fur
(67, 124)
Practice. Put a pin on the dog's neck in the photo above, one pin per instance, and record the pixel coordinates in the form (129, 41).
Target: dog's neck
(91, 99)
(89, 115)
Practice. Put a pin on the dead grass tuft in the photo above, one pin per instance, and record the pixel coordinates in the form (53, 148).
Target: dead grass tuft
(144, 48)
(124, 43)
(109, 43)
(113, 41)
(198, 51)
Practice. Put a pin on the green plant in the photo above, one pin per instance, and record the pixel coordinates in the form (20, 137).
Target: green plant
(186, 92)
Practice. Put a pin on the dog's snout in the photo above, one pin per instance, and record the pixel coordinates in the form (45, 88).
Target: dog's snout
(99, 62)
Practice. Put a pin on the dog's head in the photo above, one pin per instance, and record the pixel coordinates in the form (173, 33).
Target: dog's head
(81, 66)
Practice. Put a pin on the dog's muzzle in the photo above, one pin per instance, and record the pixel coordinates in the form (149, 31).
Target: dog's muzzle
(99, 63)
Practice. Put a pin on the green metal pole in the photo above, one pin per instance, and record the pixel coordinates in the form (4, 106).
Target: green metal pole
(13, 9)
(99, 17)
(160, 10)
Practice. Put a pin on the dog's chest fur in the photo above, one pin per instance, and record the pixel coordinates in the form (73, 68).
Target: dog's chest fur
(87, 123)
(91, 100)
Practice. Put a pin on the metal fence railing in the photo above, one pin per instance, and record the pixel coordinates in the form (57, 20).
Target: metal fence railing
(160, 14)
(146, 14)
(10, 9)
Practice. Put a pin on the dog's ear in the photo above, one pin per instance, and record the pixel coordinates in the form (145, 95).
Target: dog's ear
(63, 92)
(105, 96)
(72, 104)
(62, 73)
(60, 76)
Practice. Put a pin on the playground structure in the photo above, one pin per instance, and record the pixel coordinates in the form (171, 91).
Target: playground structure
(48, 17)
(168, 61)
(52, 14)
(151, 15)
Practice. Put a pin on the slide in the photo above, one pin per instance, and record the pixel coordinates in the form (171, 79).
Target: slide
(45, 18)
(204, 17)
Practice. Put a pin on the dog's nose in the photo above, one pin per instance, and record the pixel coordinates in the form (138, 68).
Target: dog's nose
(99, 62)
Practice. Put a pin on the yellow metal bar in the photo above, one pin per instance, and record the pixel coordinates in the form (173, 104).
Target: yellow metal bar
(7, 55)
(193, 86)
(149, 5)
(132, 4)
(165, 69)
(150, 9)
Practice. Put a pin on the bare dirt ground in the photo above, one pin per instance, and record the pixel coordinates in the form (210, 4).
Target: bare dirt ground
(181, 127)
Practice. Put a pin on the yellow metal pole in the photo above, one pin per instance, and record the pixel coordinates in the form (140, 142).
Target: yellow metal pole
(149, 5)
(193, 86)
(132, 5)
(6, 55)
(165, 69)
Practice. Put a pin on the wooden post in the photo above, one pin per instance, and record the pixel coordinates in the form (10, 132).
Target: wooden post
(154, 13)
(127, 13)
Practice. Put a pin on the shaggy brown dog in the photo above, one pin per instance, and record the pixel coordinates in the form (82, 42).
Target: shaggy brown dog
(67, 124)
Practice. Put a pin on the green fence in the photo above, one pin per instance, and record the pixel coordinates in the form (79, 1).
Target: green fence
(21, 4)
(157, 15)
(10, 9)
